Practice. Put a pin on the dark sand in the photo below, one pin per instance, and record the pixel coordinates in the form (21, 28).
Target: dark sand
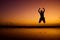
(30, 33)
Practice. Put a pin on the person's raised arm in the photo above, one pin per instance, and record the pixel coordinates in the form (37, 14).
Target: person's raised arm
(38, 10)
(44, 9)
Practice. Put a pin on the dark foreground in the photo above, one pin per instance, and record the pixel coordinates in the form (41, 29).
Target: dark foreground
(29, 33)
(13, 26)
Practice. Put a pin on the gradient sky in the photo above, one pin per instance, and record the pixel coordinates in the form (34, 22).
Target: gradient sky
(25, 12)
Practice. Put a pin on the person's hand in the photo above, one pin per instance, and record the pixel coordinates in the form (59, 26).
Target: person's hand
(39, 8)
(43, 8)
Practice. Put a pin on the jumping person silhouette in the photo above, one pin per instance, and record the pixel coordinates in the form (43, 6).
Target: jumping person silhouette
(41, 12)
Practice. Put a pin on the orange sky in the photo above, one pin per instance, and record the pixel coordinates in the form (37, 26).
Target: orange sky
(25, 12)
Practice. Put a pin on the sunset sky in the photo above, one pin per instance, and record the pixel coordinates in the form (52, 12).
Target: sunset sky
(25, 12)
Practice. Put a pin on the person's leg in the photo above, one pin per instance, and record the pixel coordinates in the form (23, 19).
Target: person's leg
(44, 20)
(39, 20)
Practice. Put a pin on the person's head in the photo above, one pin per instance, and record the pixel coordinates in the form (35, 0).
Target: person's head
(41, 10)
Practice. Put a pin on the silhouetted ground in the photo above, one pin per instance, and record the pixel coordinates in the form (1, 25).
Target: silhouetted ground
(15, 26)
(30, 34)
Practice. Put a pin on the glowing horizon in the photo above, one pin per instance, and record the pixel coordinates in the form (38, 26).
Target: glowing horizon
(25, 12)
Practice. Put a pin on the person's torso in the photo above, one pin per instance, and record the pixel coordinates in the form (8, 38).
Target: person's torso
(42, 13)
